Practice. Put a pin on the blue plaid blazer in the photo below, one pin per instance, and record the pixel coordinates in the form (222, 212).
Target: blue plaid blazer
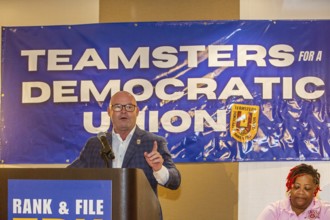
(142, 141)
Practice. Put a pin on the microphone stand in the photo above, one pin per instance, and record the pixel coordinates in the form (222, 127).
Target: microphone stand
(106, 151)
(107, 158)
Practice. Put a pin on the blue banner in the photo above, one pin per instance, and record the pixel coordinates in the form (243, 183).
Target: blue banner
(217, 90)
(59, 199)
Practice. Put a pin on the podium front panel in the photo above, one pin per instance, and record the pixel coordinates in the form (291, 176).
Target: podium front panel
(72, 193)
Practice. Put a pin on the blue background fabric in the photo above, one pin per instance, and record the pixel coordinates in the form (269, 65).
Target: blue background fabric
(184, 96)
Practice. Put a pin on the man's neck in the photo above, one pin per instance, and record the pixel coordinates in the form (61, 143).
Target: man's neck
(123, 134)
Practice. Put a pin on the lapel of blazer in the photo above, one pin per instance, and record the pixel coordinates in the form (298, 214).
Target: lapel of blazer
(133, 146)
(109, 138)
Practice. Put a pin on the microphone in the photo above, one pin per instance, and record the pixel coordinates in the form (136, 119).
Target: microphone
(106, 147)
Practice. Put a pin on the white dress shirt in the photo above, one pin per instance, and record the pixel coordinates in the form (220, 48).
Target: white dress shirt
(119, 147)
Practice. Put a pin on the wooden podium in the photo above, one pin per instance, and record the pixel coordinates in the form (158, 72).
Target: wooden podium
(132, 196)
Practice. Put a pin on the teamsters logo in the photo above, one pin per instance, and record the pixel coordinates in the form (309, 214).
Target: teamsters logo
(244, 122)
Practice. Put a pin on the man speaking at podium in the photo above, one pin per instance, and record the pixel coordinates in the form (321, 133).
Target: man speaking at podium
(130, 147)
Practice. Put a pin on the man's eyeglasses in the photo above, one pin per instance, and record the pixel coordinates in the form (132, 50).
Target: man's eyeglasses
(119, 107)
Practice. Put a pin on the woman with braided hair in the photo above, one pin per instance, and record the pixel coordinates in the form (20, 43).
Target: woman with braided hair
(303, 184)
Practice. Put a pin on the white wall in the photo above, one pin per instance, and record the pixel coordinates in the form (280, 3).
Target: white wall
(284, 9)
(261, 183)
(48, 12)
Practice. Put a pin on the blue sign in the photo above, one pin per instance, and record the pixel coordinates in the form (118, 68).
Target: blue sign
(60, 199)
(217, 90)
